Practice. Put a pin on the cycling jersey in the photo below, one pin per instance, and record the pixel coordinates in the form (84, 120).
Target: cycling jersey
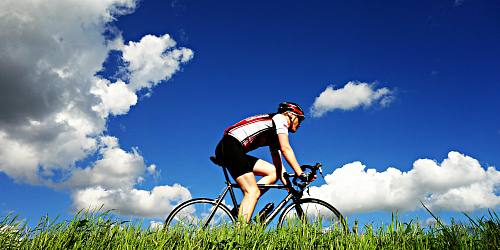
(259, 130)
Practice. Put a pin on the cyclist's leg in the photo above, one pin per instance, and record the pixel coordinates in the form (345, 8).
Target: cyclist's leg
(240, 167)
(233, 157)
(267, 171)
(251, 195)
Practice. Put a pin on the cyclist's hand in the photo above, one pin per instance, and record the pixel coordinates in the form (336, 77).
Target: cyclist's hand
(307, 177)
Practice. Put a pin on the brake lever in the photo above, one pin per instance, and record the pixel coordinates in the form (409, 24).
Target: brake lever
(321, 172)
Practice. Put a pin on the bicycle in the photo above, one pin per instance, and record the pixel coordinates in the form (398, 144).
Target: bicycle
(205, 212)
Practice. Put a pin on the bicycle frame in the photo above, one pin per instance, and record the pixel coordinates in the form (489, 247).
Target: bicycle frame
(292, 195)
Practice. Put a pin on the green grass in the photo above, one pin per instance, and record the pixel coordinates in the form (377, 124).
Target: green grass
(93, 230)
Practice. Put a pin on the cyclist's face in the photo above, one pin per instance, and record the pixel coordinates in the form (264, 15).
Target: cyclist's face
(295, 123)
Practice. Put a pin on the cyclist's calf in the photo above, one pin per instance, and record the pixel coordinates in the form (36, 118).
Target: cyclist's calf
(251, 194)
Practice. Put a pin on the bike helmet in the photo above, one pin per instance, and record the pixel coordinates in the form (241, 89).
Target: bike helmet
(291, 107)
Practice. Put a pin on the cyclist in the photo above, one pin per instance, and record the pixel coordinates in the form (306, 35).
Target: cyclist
(254, 132)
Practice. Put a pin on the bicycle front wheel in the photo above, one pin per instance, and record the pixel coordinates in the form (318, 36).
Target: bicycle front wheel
(193, 214)
(312, 212)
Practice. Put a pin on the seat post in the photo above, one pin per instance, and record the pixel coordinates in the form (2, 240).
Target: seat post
(228, 182)
(230, 186)
(218, 163)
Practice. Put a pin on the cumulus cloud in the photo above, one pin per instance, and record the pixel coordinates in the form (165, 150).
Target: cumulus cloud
(132, 202)
(353, 95)
(156, 225)
(116, 169)
(149, 65)
(459, 183)
(116, 98)
(54, 106)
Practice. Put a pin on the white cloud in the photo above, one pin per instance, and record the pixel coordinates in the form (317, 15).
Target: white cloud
(54, 108)
(459, 183)
(156, 225)
(353, 95)
(116, 98)
(148, 62)
(132, 202)
(116, 169)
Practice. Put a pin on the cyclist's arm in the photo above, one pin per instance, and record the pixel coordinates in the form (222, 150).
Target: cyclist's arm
(288, 153)
(278, 164)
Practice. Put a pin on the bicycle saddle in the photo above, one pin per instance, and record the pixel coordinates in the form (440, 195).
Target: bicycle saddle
(215, 161)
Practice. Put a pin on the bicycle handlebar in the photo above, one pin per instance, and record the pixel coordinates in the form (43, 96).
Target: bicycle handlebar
(303, 185)
(312, 168)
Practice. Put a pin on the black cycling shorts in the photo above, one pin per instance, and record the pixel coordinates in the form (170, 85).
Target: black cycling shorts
(230, 154)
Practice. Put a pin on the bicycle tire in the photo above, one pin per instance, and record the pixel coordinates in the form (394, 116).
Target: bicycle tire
(192, 214)
(318, 213)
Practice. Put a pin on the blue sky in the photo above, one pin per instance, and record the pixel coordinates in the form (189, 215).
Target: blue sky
(122, 102)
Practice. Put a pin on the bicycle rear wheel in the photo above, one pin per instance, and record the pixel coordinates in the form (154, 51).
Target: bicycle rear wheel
(194, 213)
(312, 212)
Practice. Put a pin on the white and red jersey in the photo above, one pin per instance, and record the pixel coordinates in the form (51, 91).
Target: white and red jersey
(259, 130)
